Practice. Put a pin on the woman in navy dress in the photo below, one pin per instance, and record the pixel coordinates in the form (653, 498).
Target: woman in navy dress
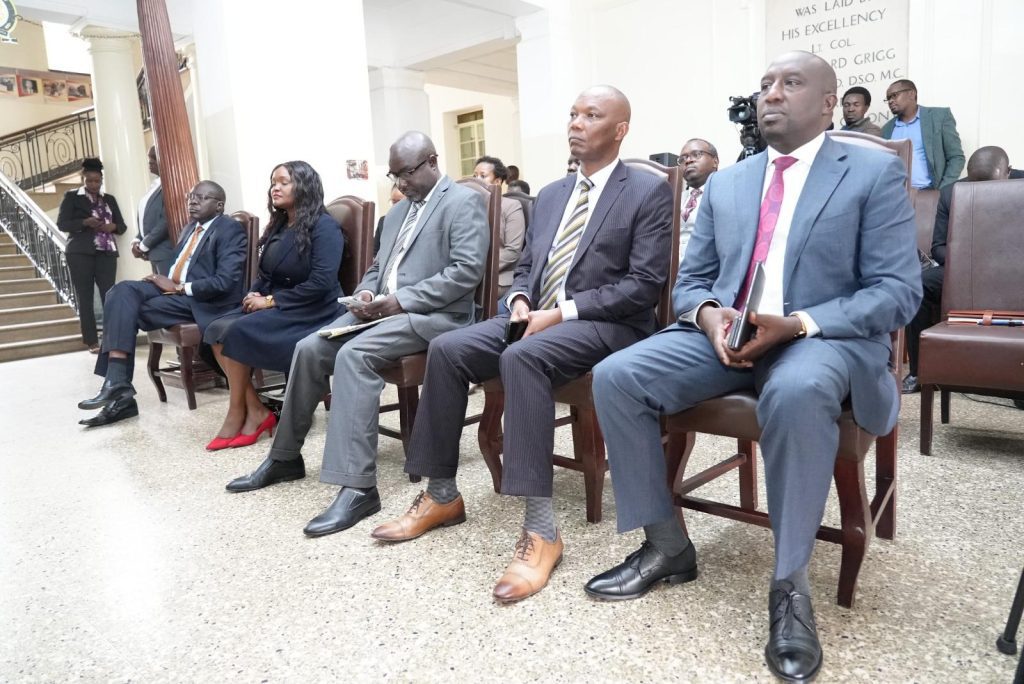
(295, 294)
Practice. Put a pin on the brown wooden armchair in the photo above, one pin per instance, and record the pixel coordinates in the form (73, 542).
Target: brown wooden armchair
(983, 271)
(407, 372)
(189, 371)
(588, 443)
(735, 415)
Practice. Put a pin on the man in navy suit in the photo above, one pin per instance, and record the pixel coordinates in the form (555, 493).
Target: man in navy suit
(834, 229)
(205, 281)
(595, 261)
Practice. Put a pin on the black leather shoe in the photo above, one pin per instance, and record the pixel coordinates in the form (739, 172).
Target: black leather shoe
(108, 394)
(793, 652)
(641, 570)
(120, 409)
(270, 472)
(349, 507)
(910, 385)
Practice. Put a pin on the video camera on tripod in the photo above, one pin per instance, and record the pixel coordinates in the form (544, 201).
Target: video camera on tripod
(743, 111)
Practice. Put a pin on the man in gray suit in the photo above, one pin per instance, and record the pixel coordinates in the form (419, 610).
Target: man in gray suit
(595, 261)
(836, 236)
(421, 284)
(153, 241)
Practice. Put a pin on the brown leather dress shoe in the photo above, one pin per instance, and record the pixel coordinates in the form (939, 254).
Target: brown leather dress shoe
(424, 515)
(534, 560)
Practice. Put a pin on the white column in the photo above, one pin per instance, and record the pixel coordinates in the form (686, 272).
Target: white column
(278, 86)
(119, 129)
(398, 103)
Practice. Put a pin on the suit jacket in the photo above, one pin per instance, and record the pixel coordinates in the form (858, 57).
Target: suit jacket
(513, 230)
(622, 261)
(851, 260)
(303, 284)
(154, 219)
(216, 272)
(941, 143)
(864, 126)
(74, 209)
(444, 262)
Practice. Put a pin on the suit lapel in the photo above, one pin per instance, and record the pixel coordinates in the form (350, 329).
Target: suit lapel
(826, 171)
(543, 230)
(206, 236)
(428, 210)
(611, 192)
(747, 208)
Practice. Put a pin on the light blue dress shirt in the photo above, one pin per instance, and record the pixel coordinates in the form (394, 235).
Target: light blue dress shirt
(920, 174)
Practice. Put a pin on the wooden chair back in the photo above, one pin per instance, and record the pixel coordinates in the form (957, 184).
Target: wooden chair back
(926, 204)
(356, 217)
(526, 201)
(903, 149)
(252, 253)
(487, 292)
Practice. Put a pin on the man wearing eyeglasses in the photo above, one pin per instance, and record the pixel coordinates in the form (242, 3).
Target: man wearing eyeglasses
(938, 155)
(205, 281)
(698, 160)
(432, 253)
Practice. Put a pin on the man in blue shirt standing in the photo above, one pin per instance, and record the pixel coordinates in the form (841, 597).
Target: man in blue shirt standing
(938, 156)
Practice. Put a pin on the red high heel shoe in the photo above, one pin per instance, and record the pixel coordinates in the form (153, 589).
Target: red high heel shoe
(219, 443)
(269, 423)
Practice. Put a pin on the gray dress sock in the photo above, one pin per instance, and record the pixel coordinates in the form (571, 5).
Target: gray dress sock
(442, 489)
(117, 371)
(799, 580)
(667, 536)
(540, 516)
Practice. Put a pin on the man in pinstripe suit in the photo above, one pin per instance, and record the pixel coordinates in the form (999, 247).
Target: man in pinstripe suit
(596, 258)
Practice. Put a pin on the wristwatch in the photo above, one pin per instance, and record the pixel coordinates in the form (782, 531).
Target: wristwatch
(179, 289)
(803, 326)
(270, 300)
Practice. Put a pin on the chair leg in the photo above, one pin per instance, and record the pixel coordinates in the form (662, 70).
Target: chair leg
(748, 474)
(153, 368)
(188, 380)
(944, 406)
(1007, 642)
(885, 478)
(855, 513)
(927, 401)
(489, 435)
(588, 445)
(408, 400)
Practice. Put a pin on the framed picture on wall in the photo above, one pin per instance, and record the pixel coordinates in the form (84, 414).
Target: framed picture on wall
(8, 85)
(28, 86)
(54, 90)
(79, 90)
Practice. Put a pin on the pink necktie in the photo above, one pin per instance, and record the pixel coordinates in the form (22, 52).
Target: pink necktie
(691, 203)
(770, 207)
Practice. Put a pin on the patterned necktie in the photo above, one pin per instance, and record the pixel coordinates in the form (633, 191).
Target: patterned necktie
(399, 249)
(179, 266)
(563, 249)
(691, 203)
(770, 207)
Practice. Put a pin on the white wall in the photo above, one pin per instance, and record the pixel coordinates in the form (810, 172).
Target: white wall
(501, 124)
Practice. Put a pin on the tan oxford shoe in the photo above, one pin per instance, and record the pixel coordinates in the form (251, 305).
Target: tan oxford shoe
(532, 564)
(424, 515)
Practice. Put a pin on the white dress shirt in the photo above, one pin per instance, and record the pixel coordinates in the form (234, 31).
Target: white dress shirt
(154, 186)
(599, 180)
(188, 262)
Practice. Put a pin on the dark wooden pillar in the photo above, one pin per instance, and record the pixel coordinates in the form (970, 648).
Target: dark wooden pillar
(178, 170)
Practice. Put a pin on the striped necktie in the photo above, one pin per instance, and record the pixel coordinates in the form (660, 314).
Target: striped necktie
(398, 251)
(564, 249)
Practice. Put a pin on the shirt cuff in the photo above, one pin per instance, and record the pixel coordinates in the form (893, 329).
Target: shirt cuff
(142, 246)
(512, 298)
(691, 315)
(569, 312)
(809, 325)
(188, 289)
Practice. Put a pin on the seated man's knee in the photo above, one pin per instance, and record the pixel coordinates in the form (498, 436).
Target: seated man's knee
(613, 375)
(800, 392)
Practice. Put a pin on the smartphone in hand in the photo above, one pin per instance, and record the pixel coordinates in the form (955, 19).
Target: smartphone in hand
(514, 330)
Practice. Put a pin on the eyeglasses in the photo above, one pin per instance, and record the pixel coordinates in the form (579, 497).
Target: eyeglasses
(890, 98)
(692, 156)
(407, 173)
(199, 198)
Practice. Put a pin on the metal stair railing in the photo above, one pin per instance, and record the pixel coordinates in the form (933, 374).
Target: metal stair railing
(37, 236)
(35, 156)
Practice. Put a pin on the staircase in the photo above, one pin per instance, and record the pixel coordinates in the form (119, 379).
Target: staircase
(34, 321)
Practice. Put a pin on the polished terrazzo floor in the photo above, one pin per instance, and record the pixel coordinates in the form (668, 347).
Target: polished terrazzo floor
(123, 559)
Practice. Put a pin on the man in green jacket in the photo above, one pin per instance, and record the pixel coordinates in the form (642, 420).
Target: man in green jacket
(938, 156)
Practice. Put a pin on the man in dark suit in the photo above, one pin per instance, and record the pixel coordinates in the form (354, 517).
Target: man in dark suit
(938, 155)
(420, 285)
(153, 240)
(206, 281)
(987, 163)
(833, 227)
(596, 258)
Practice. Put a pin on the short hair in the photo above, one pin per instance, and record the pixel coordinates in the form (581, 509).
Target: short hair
(711, 148)
(519, 185)
(985, 161)
(904, 83)
(859, 90)
(500, 170)
(92, 164)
